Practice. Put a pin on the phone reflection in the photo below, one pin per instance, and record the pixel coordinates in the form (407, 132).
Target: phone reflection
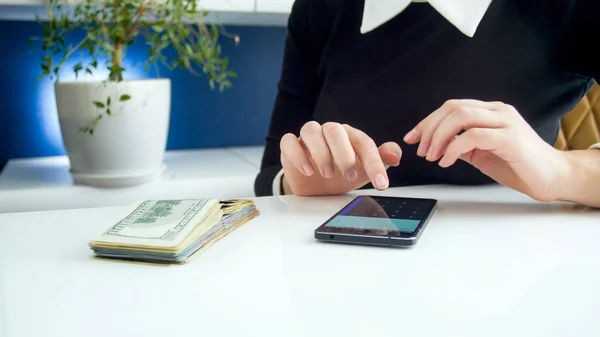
(380, 216)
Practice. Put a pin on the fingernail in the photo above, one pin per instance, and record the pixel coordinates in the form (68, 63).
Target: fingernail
(328, 172)
(308, 170)
(430, 154)
(352, 174)
(381, 181)
(443, 162)
(410, 136)
(421, 150)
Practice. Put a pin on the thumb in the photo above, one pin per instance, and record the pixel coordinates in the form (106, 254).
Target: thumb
(390, 153)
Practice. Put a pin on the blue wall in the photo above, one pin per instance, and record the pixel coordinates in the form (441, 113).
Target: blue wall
(200, 117)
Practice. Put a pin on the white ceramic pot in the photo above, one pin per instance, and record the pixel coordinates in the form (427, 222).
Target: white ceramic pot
(127, 146)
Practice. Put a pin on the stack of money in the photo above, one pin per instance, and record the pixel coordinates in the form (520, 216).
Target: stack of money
(170, 231)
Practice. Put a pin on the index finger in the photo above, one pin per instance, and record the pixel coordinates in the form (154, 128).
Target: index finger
(420, 132)
(368, 153)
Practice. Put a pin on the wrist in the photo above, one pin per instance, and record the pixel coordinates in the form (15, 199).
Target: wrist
(566, 177)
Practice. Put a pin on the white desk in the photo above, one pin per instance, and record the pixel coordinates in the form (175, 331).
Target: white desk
(491, 263)
(179, 165)
(41, 184)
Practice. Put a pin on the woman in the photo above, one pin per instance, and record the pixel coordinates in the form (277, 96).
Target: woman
(379, 93)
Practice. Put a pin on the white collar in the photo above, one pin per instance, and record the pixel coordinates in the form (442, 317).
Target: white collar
(464, 14)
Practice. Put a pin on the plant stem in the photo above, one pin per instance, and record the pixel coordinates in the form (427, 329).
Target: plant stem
(71, 51)
(117, 56)
(136, 20)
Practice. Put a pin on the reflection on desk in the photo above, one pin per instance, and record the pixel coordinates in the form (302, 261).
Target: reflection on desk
(41, 184)
(31, 173)
(492, 262)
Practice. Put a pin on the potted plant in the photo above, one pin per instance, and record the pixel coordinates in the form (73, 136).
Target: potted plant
(115, 129)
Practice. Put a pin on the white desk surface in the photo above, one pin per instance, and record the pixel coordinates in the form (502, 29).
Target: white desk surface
(42, 184)
(490, 263)
(180, 165)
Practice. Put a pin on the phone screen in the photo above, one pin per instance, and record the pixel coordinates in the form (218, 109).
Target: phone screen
(389, 216)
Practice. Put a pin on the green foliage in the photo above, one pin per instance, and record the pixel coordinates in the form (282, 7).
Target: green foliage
(111, 26)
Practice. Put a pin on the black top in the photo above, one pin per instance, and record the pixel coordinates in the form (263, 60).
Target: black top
(536, 55)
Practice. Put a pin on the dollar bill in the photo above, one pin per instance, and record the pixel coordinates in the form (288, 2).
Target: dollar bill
(158, 223)
(171, 230)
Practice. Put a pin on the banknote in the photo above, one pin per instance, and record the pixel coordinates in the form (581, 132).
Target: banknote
(171, 230)
(158, 223)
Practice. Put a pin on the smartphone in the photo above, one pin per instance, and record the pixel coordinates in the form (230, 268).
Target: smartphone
(379, 220)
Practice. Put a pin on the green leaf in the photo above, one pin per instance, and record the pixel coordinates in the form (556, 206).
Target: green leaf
(98, 104)
(88, 70)
(94, 64)
(124, 97)
(108, 111)
(214, 33)
(158, 28)
(188, 49)
(77, 68)
(107, 47)
(108, 101)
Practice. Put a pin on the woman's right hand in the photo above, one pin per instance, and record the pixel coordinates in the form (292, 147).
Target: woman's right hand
(333, 159)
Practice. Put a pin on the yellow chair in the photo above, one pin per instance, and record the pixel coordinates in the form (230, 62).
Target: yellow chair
(580, 128)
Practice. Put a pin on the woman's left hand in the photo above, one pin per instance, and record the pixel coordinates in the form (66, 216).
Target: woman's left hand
(493, 137)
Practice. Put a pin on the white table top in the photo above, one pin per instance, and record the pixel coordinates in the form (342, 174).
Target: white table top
(490, 263)
(179, 165)
(41, 184)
